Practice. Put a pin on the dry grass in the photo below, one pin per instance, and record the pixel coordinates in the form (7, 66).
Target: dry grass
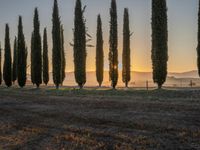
(67, 119)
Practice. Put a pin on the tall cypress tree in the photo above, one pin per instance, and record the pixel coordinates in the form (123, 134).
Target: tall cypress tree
(63, 61)
(32, 59)
(198, 47)
(36, 51)
(45, 59)
(99, 52)
(113, 51)
(159, 41)
(126, 72)
(14, 72)
(22, 55)
(79, 45)
(56, 45)
(0, 66)
(7, 68)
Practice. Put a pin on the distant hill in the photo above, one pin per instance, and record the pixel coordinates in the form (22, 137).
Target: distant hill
(137, 79)
(189, 74)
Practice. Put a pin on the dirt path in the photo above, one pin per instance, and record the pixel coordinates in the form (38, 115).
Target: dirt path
(50, 120)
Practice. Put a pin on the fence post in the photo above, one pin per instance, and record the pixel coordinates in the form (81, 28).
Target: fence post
(191, 83)
(147, 85)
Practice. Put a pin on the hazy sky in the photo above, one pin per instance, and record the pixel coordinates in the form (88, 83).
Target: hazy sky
(182, 18)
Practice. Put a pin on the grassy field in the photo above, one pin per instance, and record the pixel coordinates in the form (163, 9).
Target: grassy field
(99, 119)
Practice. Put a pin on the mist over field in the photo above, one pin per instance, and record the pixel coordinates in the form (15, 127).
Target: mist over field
(138, 79)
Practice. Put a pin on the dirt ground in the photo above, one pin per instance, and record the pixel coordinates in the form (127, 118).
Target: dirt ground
(47, 119)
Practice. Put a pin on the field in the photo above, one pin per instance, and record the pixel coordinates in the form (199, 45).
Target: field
(99, 119)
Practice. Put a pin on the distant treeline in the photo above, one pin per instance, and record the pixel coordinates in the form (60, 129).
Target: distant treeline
(16, 69)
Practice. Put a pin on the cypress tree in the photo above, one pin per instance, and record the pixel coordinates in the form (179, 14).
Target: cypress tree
(198, 47)
(0, 67)
(32, 59)
(99, 52)
(45, 59)
(36, 51)
(14, 72)
(63, 61)
(79, 45)
(7, 68)
(126, 72)
(113, 51)
(22, 55)
(56, 45)
(159, 41)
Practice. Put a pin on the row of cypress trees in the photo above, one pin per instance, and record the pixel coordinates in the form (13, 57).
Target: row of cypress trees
(17, 69)
(40, 62)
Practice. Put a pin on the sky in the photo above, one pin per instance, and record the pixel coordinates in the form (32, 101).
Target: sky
(182, 26)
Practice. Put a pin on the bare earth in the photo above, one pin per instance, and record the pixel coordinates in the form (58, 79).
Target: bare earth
(47, 119)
